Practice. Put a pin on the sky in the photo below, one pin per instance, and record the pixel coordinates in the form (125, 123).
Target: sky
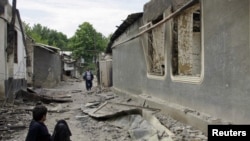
(66, 15)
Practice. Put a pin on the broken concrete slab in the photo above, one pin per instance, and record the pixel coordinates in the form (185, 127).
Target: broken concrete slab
(32, 96)
(76, 91)
(93, 104)
(141, 129)
(110, 109)
(156, 123)
(107, 96)
(139, 121)
(57, 109)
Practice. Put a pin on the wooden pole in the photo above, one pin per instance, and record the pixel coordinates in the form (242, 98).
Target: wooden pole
(177, 12)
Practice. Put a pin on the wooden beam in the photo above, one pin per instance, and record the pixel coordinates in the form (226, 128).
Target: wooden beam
(177, 12)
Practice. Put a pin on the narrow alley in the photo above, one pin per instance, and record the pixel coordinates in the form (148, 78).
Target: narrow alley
(165, 70)
(16, 117)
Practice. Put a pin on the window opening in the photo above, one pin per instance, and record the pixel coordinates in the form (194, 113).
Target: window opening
(186, 49)
(15, 48)
(12, 43)
(155, 49)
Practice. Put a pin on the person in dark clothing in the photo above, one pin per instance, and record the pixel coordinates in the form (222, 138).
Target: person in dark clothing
(38, 131)
(88, 77)
(61, 131)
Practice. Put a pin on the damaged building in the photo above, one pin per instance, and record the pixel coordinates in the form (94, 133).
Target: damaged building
(71, 67)
(45, 65)
(13, 51)
(190, 54)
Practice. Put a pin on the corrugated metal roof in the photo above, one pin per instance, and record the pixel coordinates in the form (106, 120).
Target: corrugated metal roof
(129, 21)
(47, 47)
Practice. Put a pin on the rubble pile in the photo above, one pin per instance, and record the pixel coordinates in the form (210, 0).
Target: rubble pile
(13, 118)
(96, 115)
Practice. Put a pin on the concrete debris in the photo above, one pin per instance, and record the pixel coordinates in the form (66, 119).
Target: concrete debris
(103, 90)
(186, 110)
(30, 95)
(81, 117)
(180, 130)
(110, 109)
(126, 118)
(140, 128)
(12, 120)
(156, 123)
(93, 104)
(139, 121)
(58, 109)
(76, 91)
(107, 96)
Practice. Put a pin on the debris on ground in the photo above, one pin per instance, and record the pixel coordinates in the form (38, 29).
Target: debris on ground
(31, 95)
(120, 118)
(139, 121)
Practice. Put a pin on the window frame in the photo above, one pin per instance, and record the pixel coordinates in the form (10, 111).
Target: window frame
(189, 78)
(145, 47)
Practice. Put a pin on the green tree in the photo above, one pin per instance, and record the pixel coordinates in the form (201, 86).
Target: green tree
(87, 43)
(42, 34)
(57, 39)
(27, 28)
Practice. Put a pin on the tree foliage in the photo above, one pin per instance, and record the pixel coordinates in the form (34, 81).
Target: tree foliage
(87, 42)
(42, 34)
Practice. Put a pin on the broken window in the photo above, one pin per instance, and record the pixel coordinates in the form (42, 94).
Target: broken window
(154, 48)
(187, 48)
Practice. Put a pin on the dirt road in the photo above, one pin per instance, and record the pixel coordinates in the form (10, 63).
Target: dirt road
(82, 126)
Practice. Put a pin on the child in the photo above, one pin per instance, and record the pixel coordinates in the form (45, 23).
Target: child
(38, 131)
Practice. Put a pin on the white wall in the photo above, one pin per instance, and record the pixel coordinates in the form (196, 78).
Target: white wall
(2, 57)
(20, 67)
(68, 67)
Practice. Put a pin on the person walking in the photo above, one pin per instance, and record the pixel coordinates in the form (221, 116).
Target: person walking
(88, 77)
(38, 131)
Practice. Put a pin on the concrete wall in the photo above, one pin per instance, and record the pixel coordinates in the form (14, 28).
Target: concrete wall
(105, 73)
(3, 45)
(224, 90)
(129, 68)
(47, 68)
(30, 68)
(227, 60)
(20, 66)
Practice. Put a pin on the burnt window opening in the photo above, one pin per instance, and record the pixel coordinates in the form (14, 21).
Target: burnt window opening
(186, 49)
(15, 48)
(175, 48)
(158, 19)
(12, 43)
(196, 21)
(155, 50)
(1, 9)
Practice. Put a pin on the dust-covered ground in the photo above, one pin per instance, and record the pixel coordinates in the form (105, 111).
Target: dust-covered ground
(16, 117)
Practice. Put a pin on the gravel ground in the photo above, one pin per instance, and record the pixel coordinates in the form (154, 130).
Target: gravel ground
(83, 127)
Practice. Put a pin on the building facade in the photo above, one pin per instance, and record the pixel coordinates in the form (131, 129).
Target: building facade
(194, 54)
(13, 55)
(45, 70)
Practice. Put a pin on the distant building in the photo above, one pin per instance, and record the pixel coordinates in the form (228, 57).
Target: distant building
(45, 69)
(104, 74)
(71, 67)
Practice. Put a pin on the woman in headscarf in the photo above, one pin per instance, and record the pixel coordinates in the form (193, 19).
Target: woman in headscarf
(61, 131)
